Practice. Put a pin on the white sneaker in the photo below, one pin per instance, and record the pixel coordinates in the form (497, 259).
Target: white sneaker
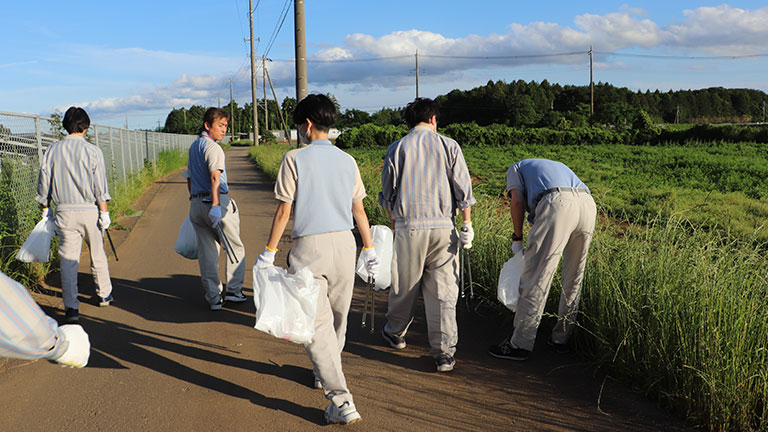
(344, 414)
(318, 384)
(235, 297)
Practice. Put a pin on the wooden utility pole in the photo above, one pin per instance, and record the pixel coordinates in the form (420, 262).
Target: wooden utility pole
(677, 114)
(253, 80)
(301, 50)
(591, 85)
(264, 81)
(231, 109)
(417, 74)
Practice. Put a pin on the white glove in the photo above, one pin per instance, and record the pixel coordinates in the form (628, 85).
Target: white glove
(266, 259)
(215, 215)
(104, 221)
(371, 262)
(517, 247)
(79, 349)
(466, 235)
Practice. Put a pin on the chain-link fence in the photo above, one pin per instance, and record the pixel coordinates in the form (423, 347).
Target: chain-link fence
(24, 139)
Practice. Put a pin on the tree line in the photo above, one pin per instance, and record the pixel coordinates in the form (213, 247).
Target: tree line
(524, 104)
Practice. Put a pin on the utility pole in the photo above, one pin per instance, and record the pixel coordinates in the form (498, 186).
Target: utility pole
(266, 102)
(677, 114)
(253, 80)
(218, 104)
(591, 85)
(417, 74)
(301, 50)
(184, 110)
(126, 117)
(763, 111)
(231, 109)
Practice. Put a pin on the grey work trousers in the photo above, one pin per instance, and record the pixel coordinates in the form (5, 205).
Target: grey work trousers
(74, 226)
(426, 261)
(564, 224)
(331, 259)
(208, 245)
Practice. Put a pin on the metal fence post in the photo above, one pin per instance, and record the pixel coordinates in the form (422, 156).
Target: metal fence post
(122, 152)
(39, 138)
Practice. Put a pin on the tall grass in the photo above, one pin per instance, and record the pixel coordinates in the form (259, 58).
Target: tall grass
(668, 306)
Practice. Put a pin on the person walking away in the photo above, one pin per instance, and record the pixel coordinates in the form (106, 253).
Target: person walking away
(26, 333)
(322, 185)
(562, 215)
(424, 181)
(212, 210)
(73, 178)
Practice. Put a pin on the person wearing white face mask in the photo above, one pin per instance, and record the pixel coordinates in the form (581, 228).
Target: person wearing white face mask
(212, 210)
(322, 184)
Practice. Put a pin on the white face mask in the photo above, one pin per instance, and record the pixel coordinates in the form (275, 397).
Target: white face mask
(303, 138)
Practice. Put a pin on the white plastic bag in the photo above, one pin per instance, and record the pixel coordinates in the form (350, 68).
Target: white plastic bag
(37, 247)
(383, 244)
(509, 281)
(286, 304)
(186, 242)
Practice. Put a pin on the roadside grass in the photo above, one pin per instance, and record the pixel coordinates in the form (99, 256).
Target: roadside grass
(669, 305)
(18, 216)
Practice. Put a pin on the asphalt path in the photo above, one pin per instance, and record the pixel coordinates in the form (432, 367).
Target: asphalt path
(162, 361)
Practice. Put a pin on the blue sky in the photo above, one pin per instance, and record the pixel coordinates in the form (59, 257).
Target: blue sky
(140, 59)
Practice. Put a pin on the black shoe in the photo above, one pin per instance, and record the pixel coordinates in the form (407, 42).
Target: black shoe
(558, 347)
(445, 363)
(218, 305)
(71, 316)
(395, 342)
(505, 350)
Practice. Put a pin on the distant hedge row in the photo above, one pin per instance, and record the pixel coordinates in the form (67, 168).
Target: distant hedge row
(496, 135)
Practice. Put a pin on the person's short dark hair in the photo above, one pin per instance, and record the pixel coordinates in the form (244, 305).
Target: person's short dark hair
(213, 114)
(76, 120)
(317, 107)
(420, 111)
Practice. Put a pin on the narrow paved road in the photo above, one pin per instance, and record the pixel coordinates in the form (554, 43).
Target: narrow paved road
(161, 361)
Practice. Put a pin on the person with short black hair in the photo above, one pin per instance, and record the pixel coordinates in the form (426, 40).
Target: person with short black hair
(212, 209)
(424, 182)
(73, 177)
(323, 186)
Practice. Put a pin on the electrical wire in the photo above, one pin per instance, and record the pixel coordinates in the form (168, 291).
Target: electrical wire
(273, 37)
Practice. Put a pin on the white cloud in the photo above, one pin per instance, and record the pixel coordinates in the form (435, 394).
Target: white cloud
(720, 30)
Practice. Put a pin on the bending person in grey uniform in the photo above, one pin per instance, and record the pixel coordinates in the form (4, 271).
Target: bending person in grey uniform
(212, 210)
(423, 182)
(73, 177)
(562, 215)
(323, 186)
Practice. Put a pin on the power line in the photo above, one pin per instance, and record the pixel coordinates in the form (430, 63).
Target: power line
(673, 57)
(273, 37)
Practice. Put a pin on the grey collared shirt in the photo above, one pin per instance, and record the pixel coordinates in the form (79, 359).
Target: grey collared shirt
(424, 180)
(72, 175)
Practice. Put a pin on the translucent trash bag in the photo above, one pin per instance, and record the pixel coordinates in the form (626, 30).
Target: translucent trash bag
(37, 247)
(383, 244)
(286, 304)
(509, 281)
(186, 242)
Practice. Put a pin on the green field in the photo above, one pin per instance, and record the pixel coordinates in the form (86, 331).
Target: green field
(676, 288)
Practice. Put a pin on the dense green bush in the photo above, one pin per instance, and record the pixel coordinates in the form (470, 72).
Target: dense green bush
(370, 135)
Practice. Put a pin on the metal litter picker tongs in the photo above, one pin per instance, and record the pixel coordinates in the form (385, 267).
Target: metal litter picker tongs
(371, 293)
(465, 261)
(227, 246)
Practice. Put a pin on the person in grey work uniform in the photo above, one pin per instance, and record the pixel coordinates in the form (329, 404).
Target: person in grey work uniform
(562, 215)
(322, 185)
(26, 333)
(73, 177)
(424, 182)
(211, 208)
